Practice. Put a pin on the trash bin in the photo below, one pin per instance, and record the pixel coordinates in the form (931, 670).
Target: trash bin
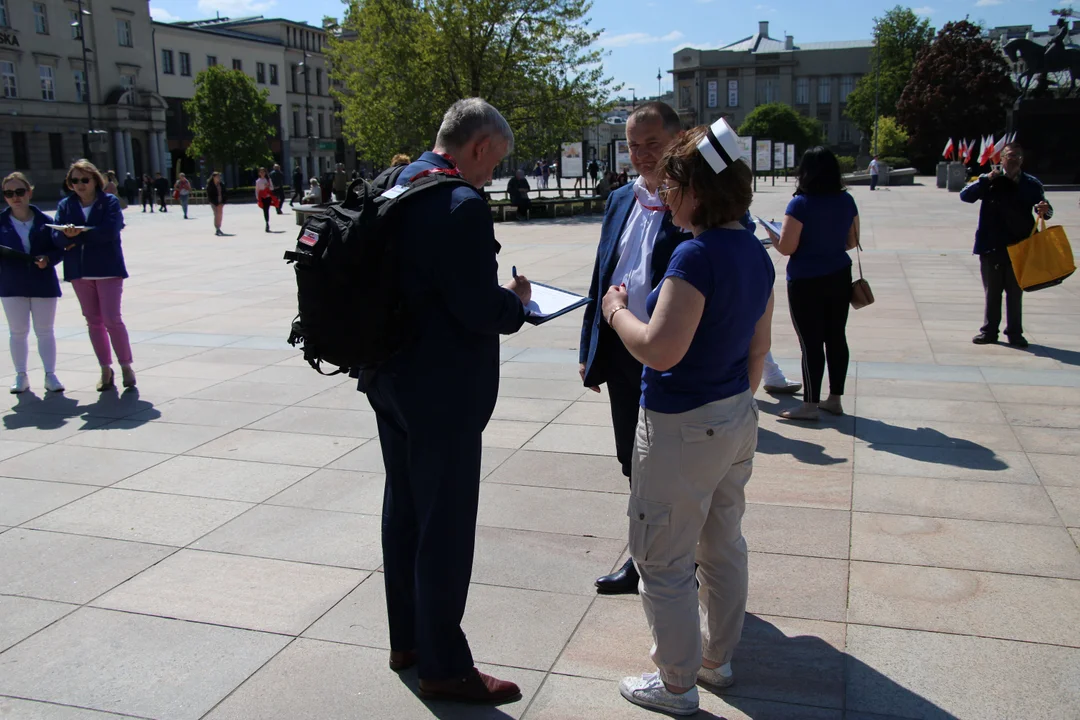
(957, 177)
(942, 174)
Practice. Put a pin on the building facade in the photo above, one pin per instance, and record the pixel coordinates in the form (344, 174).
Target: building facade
(48, 90)
(814, 78)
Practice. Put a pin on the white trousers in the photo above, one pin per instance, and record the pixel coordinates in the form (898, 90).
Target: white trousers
(772, 375)
(19, 312)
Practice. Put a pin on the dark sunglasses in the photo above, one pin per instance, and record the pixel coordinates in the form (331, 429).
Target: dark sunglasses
(81, 181)
(18, 192)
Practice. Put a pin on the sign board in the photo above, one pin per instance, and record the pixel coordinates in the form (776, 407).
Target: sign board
(779, 156)
(746, 150)
(622, 157)
(573, 160)
(713, 93)
(790, 155)
(763, 155)
(327, 146)
(733, 93)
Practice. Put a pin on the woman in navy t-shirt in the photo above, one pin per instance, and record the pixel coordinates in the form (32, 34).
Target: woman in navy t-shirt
(821, 224)
(703, 350)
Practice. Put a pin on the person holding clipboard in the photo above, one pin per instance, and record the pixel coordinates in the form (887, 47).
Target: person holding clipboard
(29, 289)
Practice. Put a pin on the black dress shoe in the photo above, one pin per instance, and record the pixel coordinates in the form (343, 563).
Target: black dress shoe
(984, 339)
(1018, 341)
(623, 581)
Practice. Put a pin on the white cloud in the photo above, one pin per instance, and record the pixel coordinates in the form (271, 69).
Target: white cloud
(235, 8)
(765, 8)
(986, 3)
(925, 10)
(638, 38)
(162, 15)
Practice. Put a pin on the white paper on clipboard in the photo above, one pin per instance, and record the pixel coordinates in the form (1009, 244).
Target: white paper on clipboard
(548, 301)
(775, 227)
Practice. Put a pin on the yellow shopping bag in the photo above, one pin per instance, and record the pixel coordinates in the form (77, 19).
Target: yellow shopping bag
(1043, 260)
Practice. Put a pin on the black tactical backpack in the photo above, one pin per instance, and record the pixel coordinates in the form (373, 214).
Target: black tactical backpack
(351, 309)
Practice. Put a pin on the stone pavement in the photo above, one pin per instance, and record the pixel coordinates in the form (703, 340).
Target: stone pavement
(209, 546)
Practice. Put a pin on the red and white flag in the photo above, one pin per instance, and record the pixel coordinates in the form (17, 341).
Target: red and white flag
(947, 153)
(999, 147)
(970, 150)
(987, 152)
(962, 152)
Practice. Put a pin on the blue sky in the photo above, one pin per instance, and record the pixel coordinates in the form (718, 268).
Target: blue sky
(642, 35)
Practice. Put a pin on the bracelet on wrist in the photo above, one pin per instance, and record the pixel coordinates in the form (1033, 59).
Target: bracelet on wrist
(611, 317)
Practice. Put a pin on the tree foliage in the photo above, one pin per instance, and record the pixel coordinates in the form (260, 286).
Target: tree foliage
(960, 87)
(402, 64)
(231, 118)
(899, 36)
(890, 138)
(781, 123)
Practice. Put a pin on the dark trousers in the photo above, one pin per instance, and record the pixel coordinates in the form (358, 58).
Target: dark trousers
(873, 182)
(998, 277)
(428, 531)
(279, 192)
(819, 311)
(297, 194)
(162, 197)
(265, 205)
(148, 199)
(523, 204)
(624, 395)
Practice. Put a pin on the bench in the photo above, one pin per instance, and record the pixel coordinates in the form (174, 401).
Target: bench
(303, 212)
(550, 206)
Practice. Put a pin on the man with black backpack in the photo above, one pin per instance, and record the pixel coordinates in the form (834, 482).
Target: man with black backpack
(434, 397)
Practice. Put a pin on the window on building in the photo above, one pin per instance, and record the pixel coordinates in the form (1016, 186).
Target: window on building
(321, 133)
(81, 88)
(76, 26)
(41, 19)
(123, 32)
(292, 73)
(847, 86)
(56, 150)
(48, 82)
(825, 132)
(167, 62)
(237, 64)
(3, 14)
(211, 60)
(824, 90)
(260, 73)
(20, 151)
(318, 81)
(185, 64)
(128, 83)
(296, 122)
(11, 83)
(273, 75)
(768, 90)
(802, 91)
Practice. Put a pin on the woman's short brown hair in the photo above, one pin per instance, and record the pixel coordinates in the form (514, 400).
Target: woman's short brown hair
(400, 159)
(87, 167)
(18, 177)
(722, 197)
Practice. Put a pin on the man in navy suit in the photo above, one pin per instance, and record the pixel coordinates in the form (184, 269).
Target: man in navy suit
(434, 398)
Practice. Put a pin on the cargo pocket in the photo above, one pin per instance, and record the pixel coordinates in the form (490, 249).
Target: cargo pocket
(701, 446)
(648, 523)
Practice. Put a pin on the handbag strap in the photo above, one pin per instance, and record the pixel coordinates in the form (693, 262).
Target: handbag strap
(858, 257)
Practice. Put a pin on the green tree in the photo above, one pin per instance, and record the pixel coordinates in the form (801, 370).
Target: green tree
(230, 118)
(891, 139)
(899, 36)
(960, 88)
(781, 123)
(401, 64)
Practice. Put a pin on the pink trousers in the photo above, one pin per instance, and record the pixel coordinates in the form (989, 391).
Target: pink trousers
(100, 301)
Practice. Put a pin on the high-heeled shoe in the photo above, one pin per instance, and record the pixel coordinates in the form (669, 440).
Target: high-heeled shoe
(107, 381)
(128, 375)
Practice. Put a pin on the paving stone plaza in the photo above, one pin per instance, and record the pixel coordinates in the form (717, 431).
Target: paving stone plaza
(208, 547)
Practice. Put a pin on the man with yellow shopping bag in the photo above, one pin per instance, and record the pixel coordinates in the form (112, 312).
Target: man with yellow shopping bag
(1008, 196)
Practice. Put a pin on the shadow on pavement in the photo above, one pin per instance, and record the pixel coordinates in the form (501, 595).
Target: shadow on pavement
(808, 672)
(1065, 357)
(53, 411)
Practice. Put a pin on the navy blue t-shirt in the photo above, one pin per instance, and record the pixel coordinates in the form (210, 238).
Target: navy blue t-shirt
(734, 273)
(822, 247)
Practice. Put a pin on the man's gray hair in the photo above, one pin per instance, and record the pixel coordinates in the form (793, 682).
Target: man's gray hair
(472, 118)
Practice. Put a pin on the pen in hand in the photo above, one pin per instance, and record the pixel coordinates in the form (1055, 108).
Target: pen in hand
(513, 271)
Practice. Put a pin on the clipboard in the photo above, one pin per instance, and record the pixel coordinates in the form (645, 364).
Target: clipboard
(65, 227)
(550, 302)
(11, 254)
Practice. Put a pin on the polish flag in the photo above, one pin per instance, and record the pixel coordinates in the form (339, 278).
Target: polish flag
(987, 153)
(962, 152)
(999, 147)
(970, 150)
(947, 153)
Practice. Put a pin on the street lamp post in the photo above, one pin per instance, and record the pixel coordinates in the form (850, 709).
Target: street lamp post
(659, 84)
(86, 79)
(877, 95)
(307, 115)
(634, 105)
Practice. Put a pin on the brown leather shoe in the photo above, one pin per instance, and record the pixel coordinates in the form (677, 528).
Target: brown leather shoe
(401, 660)
(475, 687)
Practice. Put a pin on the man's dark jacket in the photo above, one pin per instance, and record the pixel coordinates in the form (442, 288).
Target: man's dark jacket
(1005, 217)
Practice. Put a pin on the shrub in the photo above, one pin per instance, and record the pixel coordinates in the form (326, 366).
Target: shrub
(847, 163)
(896, 163)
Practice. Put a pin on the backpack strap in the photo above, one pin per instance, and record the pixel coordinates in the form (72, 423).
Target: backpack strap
(426, 182)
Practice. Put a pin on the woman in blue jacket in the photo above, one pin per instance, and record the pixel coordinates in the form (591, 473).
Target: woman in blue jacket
(94, 265)
(28, 285)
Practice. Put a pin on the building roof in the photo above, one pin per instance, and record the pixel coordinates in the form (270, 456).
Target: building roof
(836, 45)
(220, 31)
(758, 43)
(250, 20)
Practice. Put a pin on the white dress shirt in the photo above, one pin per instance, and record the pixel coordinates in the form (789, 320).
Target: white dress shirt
(634, 266)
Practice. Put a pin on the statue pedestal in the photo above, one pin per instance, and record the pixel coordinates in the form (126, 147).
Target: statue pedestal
(942, 174)
(957, 176)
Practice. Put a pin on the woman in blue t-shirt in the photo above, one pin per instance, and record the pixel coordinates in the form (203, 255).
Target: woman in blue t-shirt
(820, 225)
(703, 350)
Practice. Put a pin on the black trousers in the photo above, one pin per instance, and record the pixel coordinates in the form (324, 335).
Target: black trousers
(624, 395)
(162, 198)
(819, 311)
(428, 530)
(998, 277)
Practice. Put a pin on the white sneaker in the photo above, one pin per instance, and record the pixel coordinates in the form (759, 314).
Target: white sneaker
(648, 691)
(52, 383)
(21, 384)
(782, 386)
(720, 677)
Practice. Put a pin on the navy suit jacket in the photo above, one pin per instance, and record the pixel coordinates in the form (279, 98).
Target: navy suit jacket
(449, 373)
(595, 333)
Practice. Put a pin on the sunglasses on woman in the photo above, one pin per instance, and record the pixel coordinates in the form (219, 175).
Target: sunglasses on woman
(664, 191)
(17, 192)
(81, 180)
